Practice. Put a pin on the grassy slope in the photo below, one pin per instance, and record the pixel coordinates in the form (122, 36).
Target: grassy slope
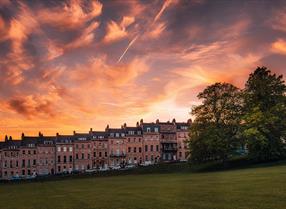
(251, 188)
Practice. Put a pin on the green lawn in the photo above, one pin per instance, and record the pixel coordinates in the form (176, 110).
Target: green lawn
(250, 188)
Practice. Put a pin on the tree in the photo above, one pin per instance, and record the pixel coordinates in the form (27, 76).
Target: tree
(214, 132)
(264, 122)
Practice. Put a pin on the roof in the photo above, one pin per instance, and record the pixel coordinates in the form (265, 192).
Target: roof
(115, 132)
(181, 125)
(153, 127)
(133, 130)
(64, 138)
(45, 139)
(82, 136)
(99, 135)
(12, 144)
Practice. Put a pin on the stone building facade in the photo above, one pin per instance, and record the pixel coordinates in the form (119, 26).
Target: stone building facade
(143, 144)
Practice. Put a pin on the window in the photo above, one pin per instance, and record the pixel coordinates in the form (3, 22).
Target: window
(88, 156)
(140, 149)
(65, 149)
(157, 148)
(134, 149)
(59, 159)
(70, 158)
(23, 172)
(82, 146)
(59, 149)
(180, 154)
(99, 154)
(151, 148)
(34, 152)
(129, 149)
(23, 152)
(82, 155)
(70, 148)
(34, 162)
(146, 148)
(29, 152)
(23, 163)
(146, 157)
(105, 154)
(94, 154)
(148, 129)
(76, 156)
(59, 168)
(65, 159)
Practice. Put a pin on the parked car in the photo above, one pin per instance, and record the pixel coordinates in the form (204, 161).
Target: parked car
(115, 167)
(104, 169)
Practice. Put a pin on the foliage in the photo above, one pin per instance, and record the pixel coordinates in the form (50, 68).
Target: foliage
(229, 118)
(214, 132)
(264, 122)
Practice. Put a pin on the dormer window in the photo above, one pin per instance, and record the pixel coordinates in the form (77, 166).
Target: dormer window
(148, 129)
(156, 130)
(117, 135)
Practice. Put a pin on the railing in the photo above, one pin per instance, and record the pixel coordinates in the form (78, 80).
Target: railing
(117, 155)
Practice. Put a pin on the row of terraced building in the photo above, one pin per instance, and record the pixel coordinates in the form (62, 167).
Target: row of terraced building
(143, 144)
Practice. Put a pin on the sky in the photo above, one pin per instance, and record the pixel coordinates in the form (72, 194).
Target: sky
(76, 64)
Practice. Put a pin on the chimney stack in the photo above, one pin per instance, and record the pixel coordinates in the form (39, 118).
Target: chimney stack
(6, 138)
(107, 127)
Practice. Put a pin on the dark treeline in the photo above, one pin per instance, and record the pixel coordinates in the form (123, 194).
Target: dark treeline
(249, 122)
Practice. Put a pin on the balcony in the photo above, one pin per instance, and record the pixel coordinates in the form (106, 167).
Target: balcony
(118, 155)
(169, 148)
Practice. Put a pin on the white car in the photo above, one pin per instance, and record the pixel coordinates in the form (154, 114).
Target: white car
(115, 167)
(103, 169)
(130, 166)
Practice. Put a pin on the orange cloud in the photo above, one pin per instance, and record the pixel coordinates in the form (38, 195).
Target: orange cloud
(71, 16)
(155, 31)
(279, 46)
(278, 21)
(86, 38)
(117, 31)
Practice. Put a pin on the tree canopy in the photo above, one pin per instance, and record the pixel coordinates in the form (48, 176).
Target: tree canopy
(214, 131)
(229, 118)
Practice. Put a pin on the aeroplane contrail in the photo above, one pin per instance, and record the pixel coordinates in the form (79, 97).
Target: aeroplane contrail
(129, 45)
(165, 5)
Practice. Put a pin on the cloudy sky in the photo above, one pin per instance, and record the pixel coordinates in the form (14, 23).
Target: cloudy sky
(75, 64)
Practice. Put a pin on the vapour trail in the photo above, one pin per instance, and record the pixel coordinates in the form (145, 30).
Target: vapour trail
(165, 5)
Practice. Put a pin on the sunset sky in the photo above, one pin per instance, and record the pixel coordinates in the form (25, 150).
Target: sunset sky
(72, 65)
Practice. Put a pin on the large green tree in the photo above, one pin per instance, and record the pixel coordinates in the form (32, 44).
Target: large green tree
(264, 121)
(214, 132)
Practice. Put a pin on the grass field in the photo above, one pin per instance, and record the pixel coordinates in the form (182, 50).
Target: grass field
(252, 188)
